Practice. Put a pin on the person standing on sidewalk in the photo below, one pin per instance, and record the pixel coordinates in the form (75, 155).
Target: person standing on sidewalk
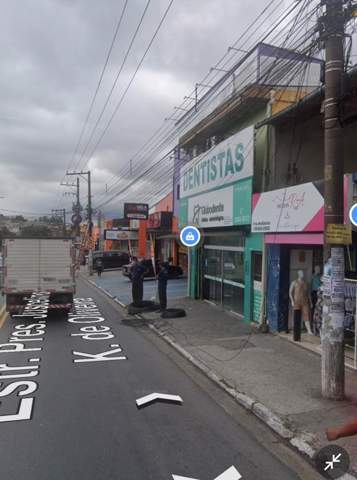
(99, 267)
(162, 285)
(137, 271)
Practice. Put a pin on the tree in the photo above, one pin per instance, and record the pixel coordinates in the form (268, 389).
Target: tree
(6, 233)
(37, 231)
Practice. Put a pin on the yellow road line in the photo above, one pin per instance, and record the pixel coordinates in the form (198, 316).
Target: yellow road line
(3, 316)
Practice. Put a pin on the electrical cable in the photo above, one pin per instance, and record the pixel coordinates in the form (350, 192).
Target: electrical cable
(116, 195)
(106, 128)
(219, 62)
(114, 84)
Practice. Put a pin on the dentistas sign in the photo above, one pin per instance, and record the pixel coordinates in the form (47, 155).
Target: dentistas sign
(226, 163)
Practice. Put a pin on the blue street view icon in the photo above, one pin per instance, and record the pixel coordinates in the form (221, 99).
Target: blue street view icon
(353, 214)
(190, 236)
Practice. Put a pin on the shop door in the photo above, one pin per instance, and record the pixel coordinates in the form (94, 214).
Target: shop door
(212, 275)
(223, 277)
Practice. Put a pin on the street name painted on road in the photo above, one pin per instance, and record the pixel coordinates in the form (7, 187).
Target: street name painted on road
(36, 309)
(87, 312)
(230, 474)
(158, 397)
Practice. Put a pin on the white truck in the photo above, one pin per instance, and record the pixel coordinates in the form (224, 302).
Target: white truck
(38, 265)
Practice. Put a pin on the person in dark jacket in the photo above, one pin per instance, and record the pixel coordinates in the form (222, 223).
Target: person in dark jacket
(99, 266)
(162, 281)
(137, 271)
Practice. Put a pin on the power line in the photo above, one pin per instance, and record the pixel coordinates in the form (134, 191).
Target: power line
(140, 176)
(131, 80)
(254, 23)
(175, 129)
(94, 129)
(116, 31)
(99, 82)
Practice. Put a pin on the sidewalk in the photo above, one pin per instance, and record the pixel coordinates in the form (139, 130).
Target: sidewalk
(275, 379)
(266, 369)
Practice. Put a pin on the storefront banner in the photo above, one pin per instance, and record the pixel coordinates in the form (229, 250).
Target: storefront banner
(221, 208)
(225, 163)
(292, 209)
(120, 235)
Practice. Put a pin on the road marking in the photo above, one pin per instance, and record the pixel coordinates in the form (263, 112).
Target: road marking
(3, 316)
(177, 477)
(230, 474)
(158, 397)
(24, 411)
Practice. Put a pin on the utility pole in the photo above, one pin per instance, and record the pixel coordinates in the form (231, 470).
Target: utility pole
(100, 240)
(61, 212)
(90, 212)
(332, 29)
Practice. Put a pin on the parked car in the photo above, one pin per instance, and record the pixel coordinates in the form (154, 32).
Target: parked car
(174, 271)
(111, 259)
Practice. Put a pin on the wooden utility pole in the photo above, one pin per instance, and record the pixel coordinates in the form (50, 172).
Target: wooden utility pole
(332, 26)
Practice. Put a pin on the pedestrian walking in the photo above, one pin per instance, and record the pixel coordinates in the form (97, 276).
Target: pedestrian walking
(99, 267)
(137, 271)
(162, 285)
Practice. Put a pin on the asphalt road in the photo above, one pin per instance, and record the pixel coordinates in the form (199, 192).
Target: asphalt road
(85, 424)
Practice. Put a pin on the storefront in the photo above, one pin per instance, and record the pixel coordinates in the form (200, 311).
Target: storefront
(216, 196)
(292, 220)
(159, 234)
(122, 240)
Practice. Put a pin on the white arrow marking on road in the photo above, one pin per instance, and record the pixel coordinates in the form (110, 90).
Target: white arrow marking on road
(230, 474)
(177, 477)
(154, 397)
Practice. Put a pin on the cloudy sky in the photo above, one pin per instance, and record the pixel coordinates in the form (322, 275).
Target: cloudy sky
(52, 53)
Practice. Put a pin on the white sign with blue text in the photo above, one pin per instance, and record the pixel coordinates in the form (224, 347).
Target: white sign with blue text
(225, 163)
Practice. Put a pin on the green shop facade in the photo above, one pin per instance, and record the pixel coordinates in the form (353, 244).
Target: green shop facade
(216, 196)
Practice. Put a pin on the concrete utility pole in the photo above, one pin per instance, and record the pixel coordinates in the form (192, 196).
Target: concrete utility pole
(78, 212)
(100, 222)
(90, 212)
(332, 26)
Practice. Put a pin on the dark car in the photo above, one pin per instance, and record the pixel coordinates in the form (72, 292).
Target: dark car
(174, 271)
(111, 259)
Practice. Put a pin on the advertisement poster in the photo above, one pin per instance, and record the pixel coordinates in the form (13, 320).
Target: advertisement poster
(292, 209)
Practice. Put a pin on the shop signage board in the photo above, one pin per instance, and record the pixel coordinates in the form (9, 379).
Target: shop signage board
(136, 211)
(293, 209)
(224, 164)
(337, 234)
(120, 235)
(161, 220)
(220, 208)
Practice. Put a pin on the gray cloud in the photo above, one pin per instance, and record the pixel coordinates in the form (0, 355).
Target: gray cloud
(52, 54)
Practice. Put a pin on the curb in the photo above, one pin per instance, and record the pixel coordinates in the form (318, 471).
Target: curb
(278, 425)
(301, 441)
